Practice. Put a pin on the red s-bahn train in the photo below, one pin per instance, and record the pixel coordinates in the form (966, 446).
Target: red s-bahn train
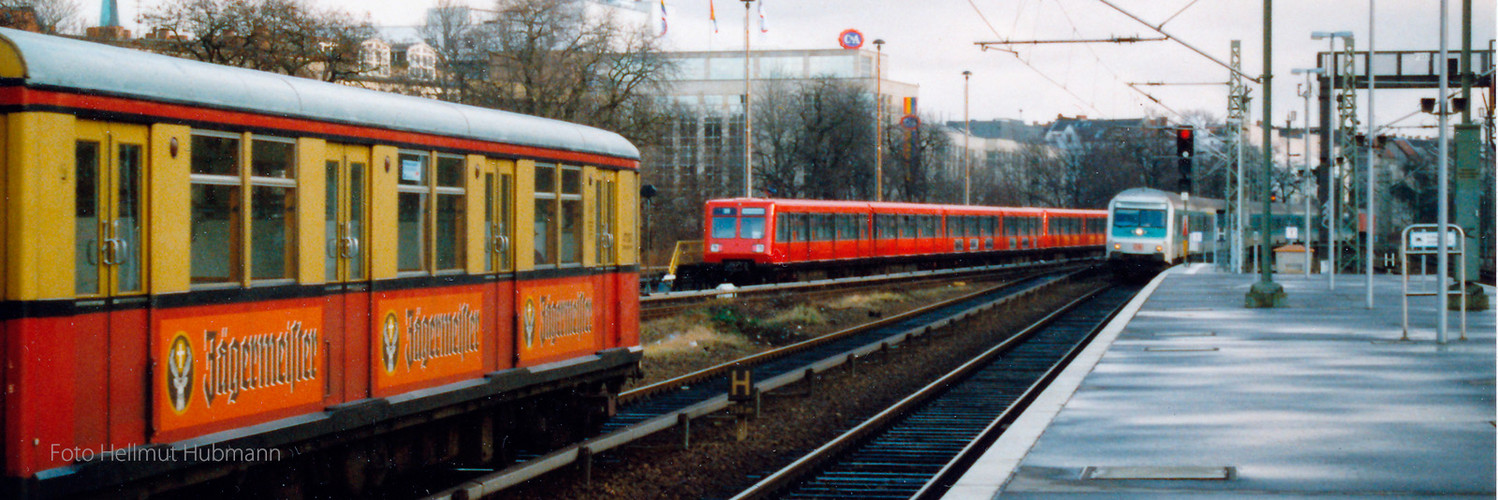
(757, 239)
(214, 276)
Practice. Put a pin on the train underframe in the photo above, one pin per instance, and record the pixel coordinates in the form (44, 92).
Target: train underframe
(363, 448)
(744, 273)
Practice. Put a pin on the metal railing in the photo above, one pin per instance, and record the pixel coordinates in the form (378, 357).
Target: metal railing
(1422, 240)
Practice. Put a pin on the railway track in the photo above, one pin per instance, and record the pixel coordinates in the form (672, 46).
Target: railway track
(665, 304)
(674, 403)
(928, 439)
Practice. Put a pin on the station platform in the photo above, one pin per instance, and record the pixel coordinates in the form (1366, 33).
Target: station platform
(1189, 394)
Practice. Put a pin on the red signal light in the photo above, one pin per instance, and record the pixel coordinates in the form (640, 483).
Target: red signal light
(1184, 134)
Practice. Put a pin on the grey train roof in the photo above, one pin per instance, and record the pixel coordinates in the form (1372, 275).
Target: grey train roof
(52, 61)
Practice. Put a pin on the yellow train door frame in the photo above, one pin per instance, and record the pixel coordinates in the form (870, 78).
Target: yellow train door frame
(110, 168)
(347, 265)
(605, 249)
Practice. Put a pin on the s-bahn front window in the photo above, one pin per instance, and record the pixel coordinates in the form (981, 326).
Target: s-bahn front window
(725, 224)
(752, 225)
(1127, 217)
(752, 228)
(723, 227)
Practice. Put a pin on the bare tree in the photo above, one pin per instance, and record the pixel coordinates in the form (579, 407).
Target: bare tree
(552, 58)
(913, 168)
(50, 16)
(452, 30)
(282, 36)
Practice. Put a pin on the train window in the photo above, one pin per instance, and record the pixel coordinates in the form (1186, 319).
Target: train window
(802, 227)
(971, 225)
(907, 226)
(215, 246)
(988, 226)
(451, 196)
(752, 227)
(86, 215)
(782, 228)
(412, 197)
(570, 231)
(545, 215)
(1127, 217)
(862, 223)
(218, 223)
(723, 227)
(272, 196)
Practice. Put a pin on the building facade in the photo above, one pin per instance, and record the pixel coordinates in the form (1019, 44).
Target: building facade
(705, 150)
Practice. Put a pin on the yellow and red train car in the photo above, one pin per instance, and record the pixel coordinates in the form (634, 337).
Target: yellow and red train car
(198, 257)
(761, 239)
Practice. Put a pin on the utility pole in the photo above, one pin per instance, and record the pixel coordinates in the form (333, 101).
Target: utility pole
(1371, 231)
(1468, 174)
(748, 118)
(1266, 293)
(878, 120)
(1443, 218)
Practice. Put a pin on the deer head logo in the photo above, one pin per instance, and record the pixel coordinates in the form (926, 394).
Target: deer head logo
(179, 367)
(390, 337)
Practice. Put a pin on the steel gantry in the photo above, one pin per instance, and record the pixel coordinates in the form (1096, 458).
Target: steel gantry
(1237, 123)
(1348, 128)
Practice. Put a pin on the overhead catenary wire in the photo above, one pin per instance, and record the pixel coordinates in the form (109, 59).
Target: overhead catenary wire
(1027, 63)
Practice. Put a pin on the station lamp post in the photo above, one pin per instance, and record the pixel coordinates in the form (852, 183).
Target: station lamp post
(1307, 180)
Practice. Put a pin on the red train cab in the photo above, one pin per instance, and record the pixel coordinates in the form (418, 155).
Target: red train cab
(737, 230)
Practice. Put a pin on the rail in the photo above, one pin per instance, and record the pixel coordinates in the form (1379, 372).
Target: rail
(681, 417)
(818, 459)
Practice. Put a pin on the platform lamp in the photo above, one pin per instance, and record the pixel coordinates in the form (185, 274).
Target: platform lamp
(1308, 181)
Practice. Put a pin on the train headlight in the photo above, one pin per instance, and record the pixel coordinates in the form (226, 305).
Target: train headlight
(1159, 248)
(759, 248)
(1117, 246)
(715, 248)
(1138, 231)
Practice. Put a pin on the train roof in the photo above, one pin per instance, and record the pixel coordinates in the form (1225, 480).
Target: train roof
(53, 62)
(888, 205)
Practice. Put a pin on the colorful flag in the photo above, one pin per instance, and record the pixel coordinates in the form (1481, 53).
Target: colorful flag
(663, 17)
(762, 27)
(910, 105)
(712, 15)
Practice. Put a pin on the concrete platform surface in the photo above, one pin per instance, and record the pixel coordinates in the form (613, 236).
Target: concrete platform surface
(1190, 394)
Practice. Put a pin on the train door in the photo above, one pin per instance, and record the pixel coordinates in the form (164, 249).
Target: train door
(607, 276)
(346, 268)
(864, 233)
(110, 277)
(499, 232)
(799, 247)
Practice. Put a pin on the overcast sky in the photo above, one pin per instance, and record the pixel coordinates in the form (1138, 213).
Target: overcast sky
(930, 43)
